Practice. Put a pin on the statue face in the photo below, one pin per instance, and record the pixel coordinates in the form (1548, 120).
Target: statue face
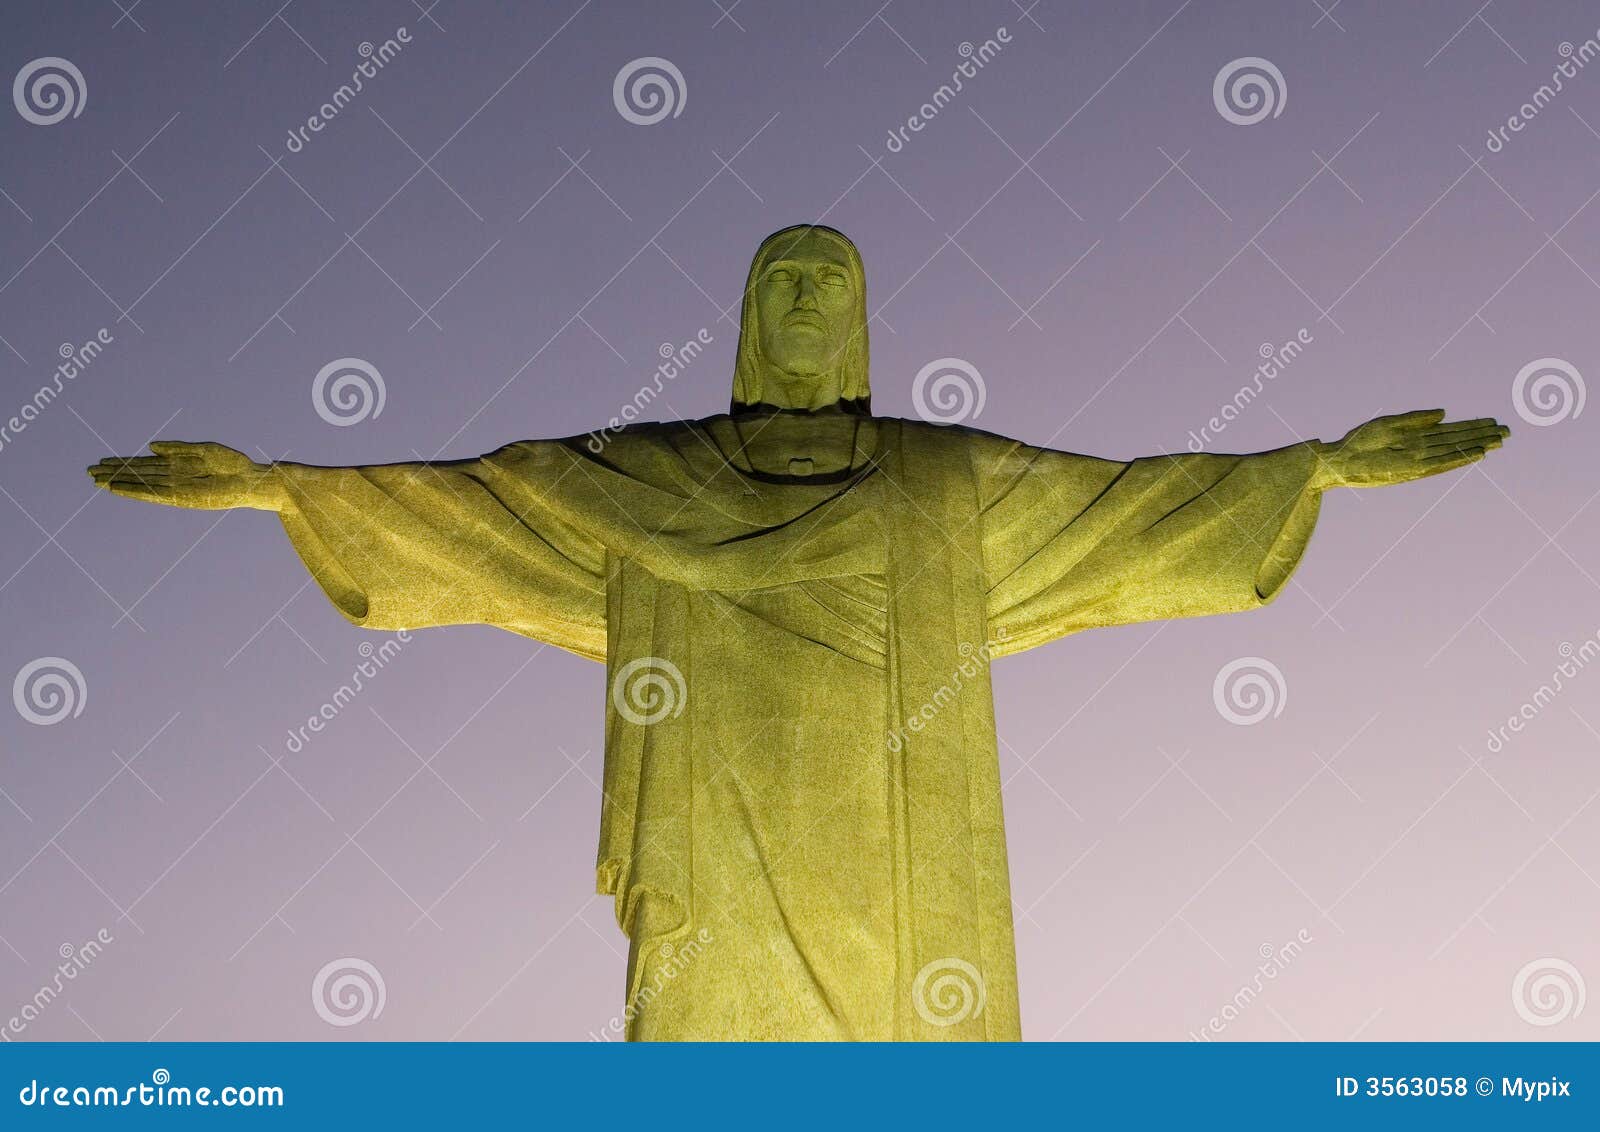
(805, 306)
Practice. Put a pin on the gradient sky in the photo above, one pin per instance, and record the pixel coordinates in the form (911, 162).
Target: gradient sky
(1082, 225)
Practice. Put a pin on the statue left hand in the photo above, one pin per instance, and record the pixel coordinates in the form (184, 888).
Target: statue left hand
(1407, 446)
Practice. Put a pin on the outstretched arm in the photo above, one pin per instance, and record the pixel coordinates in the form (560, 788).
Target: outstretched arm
(1072, 542)
(1405, 447)
(404, 546)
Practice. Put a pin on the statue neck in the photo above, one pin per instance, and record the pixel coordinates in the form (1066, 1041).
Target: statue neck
(801, 443)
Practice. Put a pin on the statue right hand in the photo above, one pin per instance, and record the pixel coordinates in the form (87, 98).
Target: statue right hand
(208, 476)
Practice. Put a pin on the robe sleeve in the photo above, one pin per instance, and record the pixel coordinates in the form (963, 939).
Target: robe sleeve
(1073, 542)
(407, 546)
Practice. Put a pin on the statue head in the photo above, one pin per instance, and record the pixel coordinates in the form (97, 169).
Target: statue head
(803, 330)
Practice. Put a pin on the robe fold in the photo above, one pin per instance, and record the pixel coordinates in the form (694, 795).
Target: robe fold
(801, 823)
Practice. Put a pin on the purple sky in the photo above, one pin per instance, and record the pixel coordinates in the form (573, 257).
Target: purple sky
(1082, 225)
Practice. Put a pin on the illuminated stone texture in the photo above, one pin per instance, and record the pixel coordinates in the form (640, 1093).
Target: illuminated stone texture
(798, 603)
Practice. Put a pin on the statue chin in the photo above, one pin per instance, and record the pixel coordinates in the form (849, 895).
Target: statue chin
(795, 366)
(802, 381)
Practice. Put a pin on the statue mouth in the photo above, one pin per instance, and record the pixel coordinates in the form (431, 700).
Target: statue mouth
(805, 318)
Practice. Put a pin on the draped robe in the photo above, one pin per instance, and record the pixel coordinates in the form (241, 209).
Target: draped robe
(801, 823)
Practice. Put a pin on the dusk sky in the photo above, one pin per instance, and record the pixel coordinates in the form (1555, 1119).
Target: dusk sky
(1108, 243)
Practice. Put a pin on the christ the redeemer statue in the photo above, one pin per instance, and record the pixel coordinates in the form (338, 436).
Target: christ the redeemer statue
(797, 603)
